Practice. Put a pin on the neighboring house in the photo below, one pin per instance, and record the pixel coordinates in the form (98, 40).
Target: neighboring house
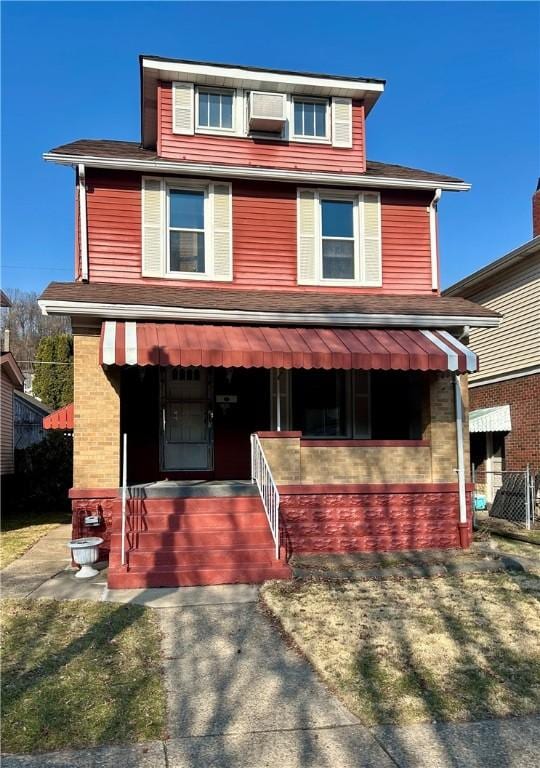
(28, 419)
(11, 381)
(255, 297)
(505, 393)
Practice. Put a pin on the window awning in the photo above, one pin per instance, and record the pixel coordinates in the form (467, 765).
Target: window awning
(228, 346)
(495, 419)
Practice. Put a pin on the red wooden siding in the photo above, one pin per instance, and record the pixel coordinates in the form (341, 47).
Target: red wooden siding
(237, 150)
(264, 236)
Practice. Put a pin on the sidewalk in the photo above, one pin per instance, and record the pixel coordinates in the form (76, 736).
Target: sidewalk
(495, 743)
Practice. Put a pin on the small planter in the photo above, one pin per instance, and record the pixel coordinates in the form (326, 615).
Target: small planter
(85, 552)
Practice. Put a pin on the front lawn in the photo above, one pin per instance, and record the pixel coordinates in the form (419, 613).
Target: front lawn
(79, 674)
(422, 650)
(19, 532)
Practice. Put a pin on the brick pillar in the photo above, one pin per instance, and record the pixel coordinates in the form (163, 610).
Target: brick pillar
(96, 449)
(443, 429)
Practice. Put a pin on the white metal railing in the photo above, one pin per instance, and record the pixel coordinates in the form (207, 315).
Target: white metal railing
(261, 475)
(124, 495)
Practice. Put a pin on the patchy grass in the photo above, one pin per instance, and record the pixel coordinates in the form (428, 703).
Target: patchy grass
(79, 674)
(19, 532)
(409, 651)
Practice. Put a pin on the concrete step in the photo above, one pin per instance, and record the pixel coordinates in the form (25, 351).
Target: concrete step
(200, 557)
(193, 521)
(191, 504)
(164, 576)
(199, 538)
(170, 489)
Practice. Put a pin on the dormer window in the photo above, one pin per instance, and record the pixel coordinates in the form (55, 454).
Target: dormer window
(311, 119)
(215, 109)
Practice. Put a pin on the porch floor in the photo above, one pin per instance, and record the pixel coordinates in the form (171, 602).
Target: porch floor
(178, 489)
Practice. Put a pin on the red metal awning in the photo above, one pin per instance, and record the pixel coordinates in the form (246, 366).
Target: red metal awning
(229, 346)
(61, 419)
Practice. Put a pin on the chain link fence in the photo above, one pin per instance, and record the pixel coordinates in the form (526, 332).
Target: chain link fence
(508, 495)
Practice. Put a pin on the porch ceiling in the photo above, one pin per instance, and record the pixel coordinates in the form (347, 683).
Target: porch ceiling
(228, 346)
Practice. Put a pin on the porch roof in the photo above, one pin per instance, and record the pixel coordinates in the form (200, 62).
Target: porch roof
(132, 343)
(494, 419)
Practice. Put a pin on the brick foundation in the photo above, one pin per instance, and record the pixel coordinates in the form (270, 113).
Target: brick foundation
(102, 502)
(384, 519)
(522, 444)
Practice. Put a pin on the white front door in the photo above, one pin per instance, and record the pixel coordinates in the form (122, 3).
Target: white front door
(186, 420)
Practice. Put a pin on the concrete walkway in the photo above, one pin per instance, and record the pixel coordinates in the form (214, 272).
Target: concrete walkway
(240, 697)
(46, 558)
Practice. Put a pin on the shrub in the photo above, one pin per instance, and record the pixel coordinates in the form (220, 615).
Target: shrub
(43, 476)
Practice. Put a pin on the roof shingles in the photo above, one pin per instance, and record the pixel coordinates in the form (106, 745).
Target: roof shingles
(263, 301)
(132, 150)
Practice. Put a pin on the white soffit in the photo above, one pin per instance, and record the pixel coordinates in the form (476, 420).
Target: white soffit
(495, 419)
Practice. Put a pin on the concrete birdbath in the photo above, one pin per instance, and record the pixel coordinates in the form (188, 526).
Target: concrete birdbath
(85, 552)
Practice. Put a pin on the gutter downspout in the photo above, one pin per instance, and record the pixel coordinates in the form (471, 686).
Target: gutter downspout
(463, 525)
(83, 225)
(433, 240)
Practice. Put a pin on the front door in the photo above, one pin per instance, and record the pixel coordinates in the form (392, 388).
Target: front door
(186, 420)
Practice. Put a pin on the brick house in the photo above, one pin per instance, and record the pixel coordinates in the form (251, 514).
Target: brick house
(254, 298)
(505, 394)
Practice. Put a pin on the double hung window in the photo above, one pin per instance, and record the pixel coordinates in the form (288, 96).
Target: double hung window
(215, 110)
(186, 230)
(338, 241)
(310, 119)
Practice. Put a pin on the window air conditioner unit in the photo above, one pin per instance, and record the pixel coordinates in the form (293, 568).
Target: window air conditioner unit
(267, 111)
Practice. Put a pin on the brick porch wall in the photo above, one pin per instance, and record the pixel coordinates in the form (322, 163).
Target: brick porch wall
(522, 444)
(293, 460)
(378, 519)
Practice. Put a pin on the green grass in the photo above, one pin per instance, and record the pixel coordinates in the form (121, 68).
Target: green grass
(19, 532)
(422, 650)
(79, 674)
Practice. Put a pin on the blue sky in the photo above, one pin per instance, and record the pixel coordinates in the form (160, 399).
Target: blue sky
(462, 97)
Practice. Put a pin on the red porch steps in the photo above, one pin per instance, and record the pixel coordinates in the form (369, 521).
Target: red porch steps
(195, 541)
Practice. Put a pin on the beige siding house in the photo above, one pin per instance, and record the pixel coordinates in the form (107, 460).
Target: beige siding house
(11, 379)
(505, 392)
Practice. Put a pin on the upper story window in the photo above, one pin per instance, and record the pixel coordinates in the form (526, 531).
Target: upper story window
(310, 118)
(186, 231)
(215, 109)
(258, 115)
(338, 239)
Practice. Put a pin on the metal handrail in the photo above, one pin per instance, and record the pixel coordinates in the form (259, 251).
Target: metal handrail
(261, 475)
(124, 495)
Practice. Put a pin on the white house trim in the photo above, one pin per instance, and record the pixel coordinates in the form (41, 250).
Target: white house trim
(83, 225)
(246, 172)
(241, 76)
(158, 312)
(433, 239)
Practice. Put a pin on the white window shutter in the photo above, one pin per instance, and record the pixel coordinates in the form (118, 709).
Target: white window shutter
(183, 108)
(153, 227)
(307, 236)
(222, 231)
(371, 245)
(341, 122)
